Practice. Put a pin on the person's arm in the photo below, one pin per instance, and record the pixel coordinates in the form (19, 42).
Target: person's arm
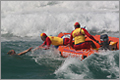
(48, 43)
(71, 38)
(89, 35)
(21, 53)
(39, 47)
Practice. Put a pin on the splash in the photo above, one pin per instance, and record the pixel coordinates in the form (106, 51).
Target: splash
(96, 66)
(30, 18)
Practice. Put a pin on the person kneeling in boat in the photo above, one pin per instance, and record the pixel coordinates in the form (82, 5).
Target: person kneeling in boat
(48, 40)
(79, 38)
(106, 44)
(12, 52)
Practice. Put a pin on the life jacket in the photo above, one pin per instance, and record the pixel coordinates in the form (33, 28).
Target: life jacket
(113, 45)
(78, 35)
(110, 45)
(56, 40)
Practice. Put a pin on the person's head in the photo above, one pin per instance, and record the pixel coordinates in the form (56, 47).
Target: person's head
(76, 25)
(104, 39)
(43, 36)
(11, 52)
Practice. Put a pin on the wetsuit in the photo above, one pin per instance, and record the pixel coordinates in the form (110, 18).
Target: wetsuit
(79, 39)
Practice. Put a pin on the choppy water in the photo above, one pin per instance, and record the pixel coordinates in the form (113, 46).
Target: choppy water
(23, 21)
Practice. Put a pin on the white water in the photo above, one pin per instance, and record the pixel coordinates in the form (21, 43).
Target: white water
(31, 18)
(73, 68)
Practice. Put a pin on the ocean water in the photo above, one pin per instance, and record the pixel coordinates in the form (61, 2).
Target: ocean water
(22, 22)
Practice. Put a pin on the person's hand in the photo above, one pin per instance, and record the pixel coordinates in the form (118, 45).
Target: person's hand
(30, 49)
(41, 47)
(68, 45)
(33, 50)
(97, 41)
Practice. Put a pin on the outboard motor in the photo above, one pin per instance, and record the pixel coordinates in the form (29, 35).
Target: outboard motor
(104, 41)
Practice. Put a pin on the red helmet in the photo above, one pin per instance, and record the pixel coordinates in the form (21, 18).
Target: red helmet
(43, 34)
(76, 23)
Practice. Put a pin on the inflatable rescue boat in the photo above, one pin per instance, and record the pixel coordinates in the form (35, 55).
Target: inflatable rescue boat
(66, 51)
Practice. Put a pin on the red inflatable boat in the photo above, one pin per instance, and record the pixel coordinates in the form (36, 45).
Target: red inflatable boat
(66, 51)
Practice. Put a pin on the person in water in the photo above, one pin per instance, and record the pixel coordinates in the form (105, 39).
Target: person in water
(107, 44)
(12, 52)
(79, 38)
(52, 40)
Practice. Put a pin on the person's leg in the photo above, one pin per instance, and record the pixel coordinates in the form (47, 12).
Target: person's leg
(92, 44)
(77, 47)
(84, 45)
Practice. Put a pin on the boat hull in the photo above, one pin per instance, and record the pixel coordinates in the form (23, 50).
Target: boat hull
(66, 51)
